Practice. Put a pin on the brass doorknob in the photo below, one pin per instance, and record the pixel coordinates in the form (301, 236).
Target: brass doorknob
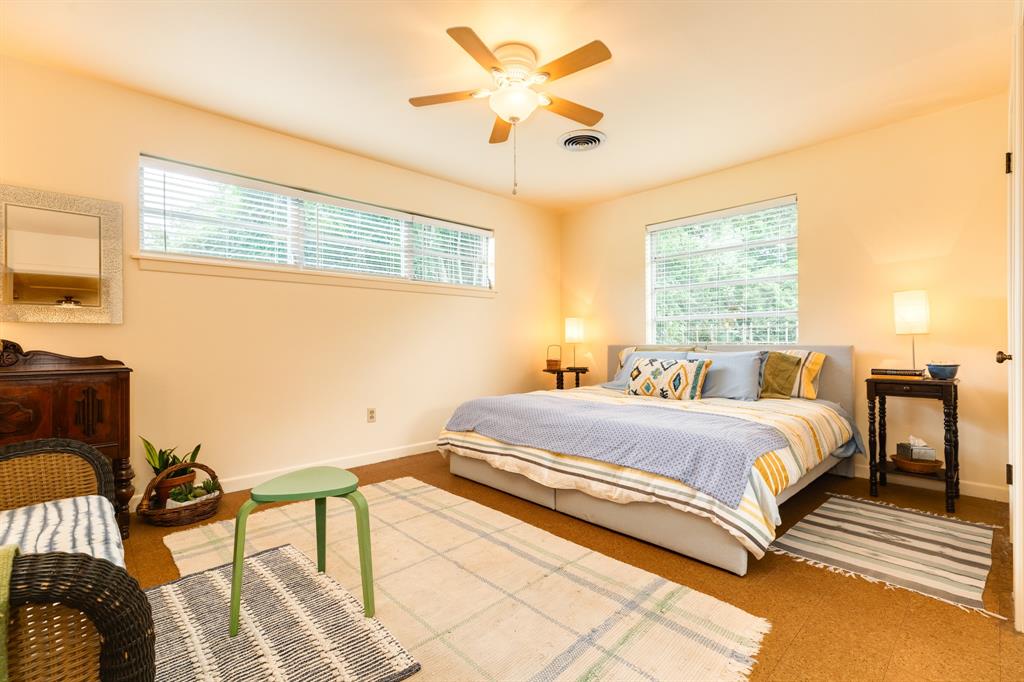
(1002, 357)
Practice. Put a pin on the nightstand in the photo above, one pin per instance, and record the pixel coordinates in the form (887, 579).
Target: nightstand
(560, 375)
(945, 390)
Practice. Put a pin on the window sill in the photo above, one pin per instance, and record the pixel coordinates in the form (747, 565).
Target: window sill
(219, 268)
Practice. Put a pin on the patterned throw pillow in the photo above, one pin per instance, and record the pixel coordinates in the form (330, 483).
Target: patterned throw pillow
(669, 379)
(811, 362)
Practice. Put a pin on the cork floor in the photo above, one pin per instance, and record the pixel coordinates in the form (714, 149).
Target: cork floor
(824, 626)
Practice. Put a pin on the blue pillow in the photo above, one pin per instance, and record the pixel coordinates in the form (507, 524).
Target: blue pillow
(621, 380)
(733, 375)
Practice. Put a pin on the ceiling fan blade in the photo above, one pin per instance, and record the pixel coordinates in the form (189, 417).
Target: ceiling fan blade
(577, 60)
(500, 131)
(577, 112)
(427, 100)
(471, 43)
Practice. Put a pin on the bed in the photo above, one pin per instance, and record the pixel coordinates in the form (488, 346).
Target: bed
(667, 512)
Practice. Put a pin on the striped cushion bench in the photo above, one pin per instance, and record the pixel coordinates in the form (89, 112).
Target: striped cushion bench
(77, 524)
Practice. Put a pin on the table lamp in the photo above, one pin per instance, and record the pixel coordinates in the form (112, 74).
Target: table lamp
(911, 316)
(573, 334)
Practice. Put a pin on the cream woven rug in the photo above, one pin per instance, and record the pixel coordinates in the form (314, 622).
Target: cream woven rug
(474, 594)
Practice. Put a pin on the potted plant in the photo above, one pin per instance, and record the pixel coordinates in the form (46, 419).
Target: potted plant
(190, 493)
(159, 460)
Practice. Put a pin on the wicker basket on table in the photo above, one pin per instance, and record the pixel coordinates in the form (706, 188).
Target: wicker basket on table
(203, 508)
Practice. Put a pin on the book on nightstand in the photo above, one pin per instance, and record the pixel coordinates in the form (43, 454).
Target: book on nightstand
(889, 372)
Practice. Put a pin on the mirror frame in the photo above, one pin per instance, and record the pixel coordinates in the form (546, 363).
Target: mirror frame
(110, 310)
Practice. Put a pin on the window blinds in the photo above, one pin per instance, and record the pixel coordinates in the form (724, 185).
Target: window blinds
(192, 211)
(725, 277)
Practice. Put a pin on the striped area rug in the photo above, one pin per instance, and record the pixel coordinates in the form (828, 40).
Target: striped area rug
(475, 594)
(938, 556)
(296, 624)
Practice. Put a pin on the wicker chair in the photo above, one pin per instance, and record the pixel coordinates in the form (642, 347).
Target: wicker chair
(73, 616)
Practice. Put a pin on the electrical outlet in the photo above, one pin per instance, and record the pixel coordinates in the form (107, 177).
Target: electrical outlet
(371, 415)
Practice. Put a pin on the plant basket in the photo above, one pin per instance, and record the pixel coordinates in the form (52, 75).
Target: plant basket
(203, 508)
(165, 486)
(554, 363)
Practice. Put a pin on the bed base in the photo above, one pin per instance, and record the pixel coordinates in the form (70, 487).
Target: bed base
(659, 524)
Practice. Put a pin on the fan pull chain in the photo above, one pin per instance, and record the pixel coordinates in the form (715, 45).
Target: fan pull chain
(515, 161)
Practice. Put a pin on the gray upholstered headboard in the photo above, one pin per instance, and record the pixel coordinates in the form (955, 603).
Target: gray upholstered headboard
(836, 383)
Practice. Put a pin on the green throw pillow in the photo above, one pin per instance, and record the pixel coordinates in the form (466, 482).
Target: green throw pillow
(779, 376)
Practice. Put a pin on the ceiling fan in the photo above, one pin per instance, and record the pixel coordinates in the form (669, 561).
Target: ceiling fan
(513, 66)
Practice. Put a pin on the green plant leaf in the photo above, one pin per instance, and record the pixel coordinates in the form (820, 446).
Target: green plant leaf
(152, 456)
(195, 453)
(181, 493)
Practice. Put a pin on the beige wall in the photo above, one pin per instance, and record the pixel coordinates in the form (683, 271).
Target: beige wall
(918, 204)
(273, 374)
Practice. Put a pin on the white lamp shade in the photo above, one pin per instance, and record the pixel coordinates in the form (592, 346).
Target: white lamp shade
(574, 330)
(911, 312)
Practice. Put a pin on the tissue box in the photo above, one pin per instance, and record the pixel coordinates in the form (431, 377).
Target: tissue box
(922, 452)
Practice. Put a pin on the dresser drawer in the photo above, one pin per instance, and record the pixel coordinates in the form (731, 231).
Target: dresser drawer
(90, 410)
(26, 411)
(910, 388)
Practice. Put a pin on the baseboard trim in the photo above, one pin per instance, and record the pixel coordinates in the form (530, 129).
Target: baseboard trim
(988, 491)
(246, 481)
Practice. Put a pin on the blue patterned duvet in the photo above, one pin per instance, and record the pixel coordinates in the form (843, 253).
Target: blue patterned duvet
(709, 452)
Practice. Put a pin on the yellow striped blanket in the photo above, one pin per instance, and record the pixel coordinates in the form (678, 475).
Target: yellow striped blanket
(813, 430)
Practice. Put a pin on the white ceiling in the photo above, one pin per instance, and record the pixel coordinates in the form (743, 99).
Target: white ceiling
(691, 86)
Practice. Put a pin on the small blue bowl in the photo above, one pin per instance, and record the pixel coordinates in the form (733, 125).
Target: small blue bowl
(942, 371)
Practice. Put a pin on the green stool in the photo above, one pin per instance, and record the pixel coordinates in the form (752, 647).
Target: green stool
(317, 484)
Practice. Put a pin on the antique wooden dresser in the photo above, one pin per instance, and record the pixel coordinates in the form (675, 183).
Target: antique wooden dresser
(46, 395)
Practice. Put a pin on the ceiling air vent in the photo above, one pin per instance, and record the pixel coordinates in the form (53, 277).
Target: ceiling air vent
(582, 140)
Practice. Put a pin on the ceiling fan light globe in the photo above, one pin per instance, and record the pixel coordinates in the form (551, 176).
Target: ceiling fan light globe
(514, 103)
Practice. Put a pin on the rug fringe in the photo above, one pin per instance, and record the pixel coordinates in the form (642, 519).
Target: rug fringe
(888, 585)
(947, 517)
(744, 669)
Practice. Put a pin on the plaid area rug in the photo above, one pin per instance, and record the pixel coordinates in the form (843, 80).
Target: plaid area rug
(938, 556)
(296, 624)
(476, 594)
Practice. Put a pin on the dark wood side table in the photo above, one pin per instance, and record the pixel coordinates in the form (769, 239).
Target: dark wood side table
(946, 390)
(560, 375)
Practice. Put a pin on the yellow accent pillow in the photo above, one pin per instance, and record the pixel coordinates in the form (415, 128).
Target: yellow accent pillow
(811, 362)
(779, 375)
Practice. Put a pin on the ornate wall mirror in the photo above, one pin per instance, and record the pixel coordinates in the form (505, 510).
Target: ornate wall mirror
(62, 257)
